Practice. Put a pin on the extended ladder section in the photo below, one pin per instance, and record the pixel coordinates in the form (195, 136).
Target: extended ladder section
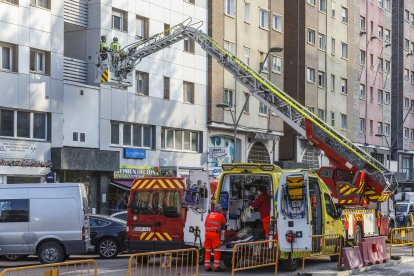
(342, 152)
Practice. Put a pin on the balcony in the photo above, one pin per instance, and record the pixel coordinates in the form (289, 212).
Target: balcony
(76, 12)
(75, 70)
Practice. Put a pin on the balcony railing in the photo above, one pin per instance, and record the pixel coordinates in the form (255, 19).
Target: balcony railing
(76, 12)
(75, 70)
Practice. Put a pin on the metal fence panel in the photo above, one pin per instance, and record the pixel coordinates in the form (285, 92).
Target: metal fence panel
(325, 245)
(402, 236)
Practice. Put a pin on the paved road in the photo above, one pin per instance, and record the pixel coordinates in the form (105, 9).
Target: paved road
(321, 266)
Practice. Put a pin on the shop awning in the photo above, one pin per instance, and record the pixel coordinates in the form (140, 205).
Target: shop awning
(125, 184)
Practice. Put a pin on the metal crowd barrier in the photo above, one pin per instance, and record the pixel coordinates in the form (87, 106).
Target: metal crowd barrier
(256, 254)
(172, 262)
(325, 245)
(402, 236)
(84, 268)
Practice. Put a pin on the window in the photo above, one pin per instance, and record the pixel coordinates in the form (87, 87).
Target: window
(167, 28)
(142, 83)
(371, 61)
(330, 207)
(114, 133)
(230, 46)
(321, 40)
(406, 44)
(321, 79)
(406, 133)
(412, 135)
(246, 55)
(362, 24)
(277, 22)
(344, 86)
(6, 56)
(387, 35)
(263, 110)
(247, 102)
(407, 15)
(15, 2)
(344, 15)
(412, 19)
(311, 109)
(333, 9)
(371, 94)
(380, 64)
(387, 98)
(321, 114)
(381, 3)
(264, 64)
(311, 36)
(177, 139)
(333, 83)
(412, 77)
(229, 7)
(380, 128)
(38, 61)
(311, 2)
(387, 129)
(407, 166)
(362, 125)
(380, 32)
(406, 74)
(344, 50)
(246, 11)
(362, 57)
(264, 19)
(14, 210)
(371, 127)
(333, 46)
(406, 103)
(135, 135)
(387, 66)
(322, 5)
(333, 119)
(23, 124)
(40, 3)
(155, 202)
(166, 88)
(362, 92)
(190, 1)
(387, 5)
(119, 20)
(344, 122)
(228, 97)
(142, 28)
(380, 96)
(188, 92)
(310, 74)
(277, 65)
(189, 45)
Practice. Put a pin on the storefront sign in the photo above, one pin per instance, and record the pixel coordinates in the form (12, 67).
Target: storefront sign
(17, 150)
(218, 152)
(132, 172)
(134, 153)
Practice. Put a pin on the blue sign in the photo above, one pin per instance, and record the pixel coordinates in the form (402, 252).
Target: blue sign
(50, 177)
(135, 153)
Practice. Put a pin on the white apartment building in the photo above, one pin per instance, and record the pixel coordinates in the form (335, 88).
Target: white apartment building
(101, 135)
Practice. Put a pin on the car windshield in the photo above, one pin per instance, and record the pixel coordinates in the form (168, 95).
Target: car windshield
(401, 208)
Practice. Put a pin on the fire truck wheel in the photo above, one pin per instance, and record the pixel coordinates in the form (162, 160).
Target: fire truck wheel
(291, 264)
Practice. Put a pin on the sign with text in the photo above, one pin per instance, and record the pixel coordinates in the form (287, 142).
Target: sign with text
(218, 152)
(17, 150)
(134, 153)
(132, 172)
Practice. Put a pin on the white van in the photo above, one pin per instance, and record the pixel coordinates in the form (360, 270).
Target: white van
(49, 220)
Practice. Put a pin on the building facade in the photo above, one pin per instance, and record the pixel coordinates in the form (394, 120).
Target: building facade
(97, 134)
(247, 29)
(402, 128)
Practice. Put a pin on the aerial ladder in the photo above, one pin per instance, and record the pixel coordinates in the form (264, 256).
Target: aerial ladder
(374, 182)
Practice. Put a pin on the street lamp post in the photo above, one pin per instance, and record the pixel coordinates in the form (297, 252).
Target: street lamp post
(233, 116)
(388, 144)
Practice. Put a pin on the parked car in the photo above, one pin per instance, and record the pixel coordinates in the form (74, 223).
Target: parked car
(49, 220)
(120, 215)
(107, 235)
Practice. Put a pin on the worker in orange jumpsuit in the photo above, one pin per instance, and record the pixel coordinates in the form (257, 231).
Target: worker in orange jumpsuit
(263, 204)
(214, 222)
